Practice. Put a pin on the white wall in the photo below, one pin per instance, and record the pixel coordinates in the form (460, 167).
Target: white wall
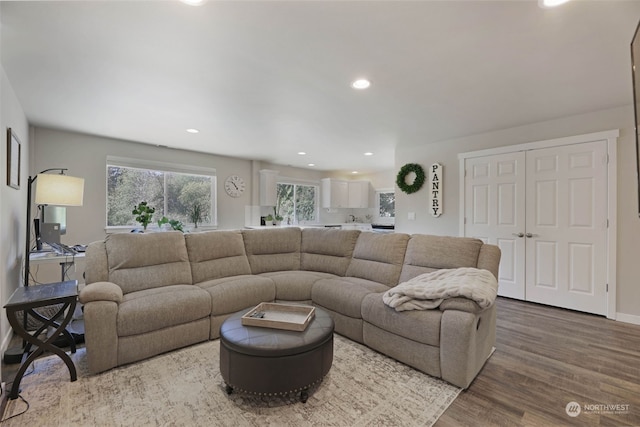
(13, 203)
(445, 152)
(85, 156)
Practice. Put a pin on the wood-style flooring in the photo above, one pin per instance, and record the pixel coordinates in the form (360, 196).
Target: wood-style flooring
(545, 359)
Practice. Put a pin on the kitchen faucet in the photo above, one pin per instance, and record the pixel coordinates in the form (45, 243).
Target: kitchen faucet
(352, 218)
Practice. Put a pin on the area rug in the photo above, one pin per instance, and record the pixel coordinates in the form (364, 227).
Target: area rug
(185, 388)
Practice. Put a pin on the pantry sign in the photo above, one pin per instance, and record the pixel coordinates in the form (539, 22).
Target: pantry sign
(435, 188)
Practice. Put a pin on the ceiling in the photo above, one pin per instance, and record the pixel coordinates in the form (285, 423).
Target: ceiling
(267, 79)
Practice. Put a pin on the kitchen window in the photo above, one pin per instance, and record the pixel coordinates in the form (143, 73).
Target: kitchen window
(297, 203)
(386, 205)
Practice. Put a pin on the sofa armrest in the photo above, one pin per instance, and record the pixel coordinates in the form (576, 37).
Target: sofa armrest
(462, 304)
(101, 291)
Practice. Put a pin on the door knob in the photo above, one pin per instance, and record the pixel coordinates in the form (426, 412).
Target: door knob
(518, 234)
(529, 235)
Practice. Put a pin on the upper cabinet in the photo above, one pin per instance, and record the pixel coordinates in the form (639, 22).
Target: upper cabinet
(268, 187)
(358, 194)
(338, 193)
(335, 193)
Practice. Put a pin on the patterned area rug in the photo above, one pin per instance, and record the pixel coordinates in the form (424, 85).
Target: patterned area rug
(185, 388)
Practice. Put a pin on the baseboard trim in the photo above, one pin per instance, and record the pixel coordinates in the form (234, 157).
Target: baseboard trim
(4, 399)
(628, 318)
(6, 340)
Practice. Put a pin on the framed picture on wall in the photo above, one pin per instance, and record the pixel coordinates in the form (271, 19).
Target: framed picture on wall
(13, 160)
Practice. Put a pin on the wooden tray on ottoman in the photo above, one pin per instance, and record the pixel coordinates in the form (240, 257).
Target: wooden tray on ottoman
(280, 316)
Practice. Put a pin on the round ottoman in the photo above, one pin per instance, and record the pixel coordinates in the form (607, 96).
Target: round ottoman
(270, 361)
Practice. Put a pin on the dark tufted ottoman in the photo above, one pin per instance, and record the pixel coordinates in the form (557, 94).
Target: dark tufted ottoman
(272, 361)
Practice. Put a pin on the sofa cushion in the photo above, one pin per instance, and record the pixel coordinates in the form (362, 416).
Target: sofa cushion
(231, 294)
(158, 308)
(96, 265)
(427, 253)
(273, 250)
(327, 250)
(147, 260)
(216, 254)
(295, 285)
(378, 257)
(344, 295)
(422, 326)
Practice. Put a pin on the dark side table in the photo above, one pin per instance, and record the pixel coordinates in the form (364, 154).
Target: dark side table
(25, 299)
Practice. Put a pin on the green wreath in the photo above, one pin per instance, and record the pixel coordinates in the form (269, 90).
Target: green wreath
(402, 175)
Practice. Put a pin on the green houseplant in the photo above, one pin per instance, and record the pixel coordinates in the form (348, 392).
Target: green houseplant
(174, 223)
(144, 214)
(277, 218)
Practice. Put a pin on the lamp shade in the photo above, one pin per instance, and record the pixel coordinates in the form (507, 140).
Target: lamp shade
(59, 190)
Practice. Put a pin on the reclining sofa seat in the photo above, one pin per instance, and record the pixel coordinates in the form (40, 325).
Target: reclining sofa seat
(451, 342)
(138, 299)
(180, 295)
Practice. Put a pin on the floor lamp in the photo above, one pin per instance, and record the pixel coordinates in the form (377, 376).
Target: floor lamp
(51, 189)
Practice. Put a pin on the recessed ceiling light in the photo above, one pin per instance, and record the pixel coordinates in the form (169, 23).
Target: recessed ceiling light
(545, 4)
(193, 2)
(302, 153)
(311, 164)
(354, 172)
(193, 130)
(361, 84)
(368, 153)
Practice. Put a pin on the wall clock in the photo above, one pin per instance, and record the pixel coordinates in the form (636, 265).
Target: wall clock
(234, 186)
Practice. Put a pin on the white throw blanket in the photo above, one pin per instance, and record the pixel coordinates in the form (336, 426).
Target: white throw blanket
(428, 290)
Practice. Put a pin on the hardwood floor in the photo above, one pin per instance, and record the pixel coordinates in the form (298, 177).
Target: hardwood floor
(546, 358)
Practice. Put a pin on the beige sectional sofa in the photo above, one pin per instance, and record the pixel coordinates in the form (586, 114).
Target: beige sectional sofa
(151, 293)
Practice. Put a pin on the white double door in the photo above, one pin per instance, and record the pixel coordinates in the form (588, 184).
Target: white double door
(547, 211)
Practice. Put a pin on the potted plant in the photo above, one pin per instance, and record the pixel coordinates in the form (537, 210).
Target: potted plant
(277, 218)
(269, 220)
(173, 223)
(144, 214)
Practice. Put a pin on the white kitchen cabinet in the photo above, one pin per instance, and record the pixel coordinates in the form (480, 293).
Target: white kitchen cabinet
(358, 194)
(268, 187)
(337, 193)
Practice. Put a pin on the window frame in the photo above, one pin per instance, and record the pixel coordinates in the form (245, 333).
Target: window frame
(384, 219)
(132, 163)
(316, 198)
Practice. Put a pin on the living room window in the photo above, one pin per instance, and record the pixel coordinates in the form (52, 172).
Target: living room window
(386, 206)
(297, 203)
(175, 191)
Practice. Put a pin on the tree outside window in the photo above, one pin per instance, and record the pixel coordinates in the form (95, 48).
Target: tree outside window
(172, 194)
(386, 204)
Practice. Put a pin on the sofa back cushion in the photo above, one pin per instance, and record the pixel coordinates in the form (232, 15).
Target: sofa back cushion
(273, 250)
(427, 253)
(96, 267)
(216, 254)
(378, 257)
(147, 260)
(327, 250)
